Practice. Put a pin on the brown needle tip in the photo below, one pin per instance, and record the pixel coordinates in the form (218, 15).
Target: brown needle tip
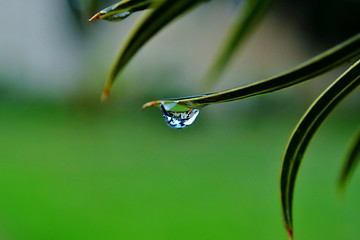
(95, 17)
(290, 233)
(105, 94)
(149, 104)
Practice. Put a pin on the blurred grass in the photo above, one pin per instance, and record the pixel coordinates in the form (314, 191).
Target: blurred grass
(71, 173)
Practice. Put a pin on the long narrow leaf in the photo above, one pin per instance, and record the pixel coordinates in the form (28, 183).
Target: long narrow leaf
(314, 67)
(251, 13)
(351, 162)
(304, 132)
(153, 23)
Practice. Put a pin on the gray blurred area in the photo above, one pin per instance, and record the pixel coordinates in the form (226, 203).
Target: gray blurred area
(51, 52)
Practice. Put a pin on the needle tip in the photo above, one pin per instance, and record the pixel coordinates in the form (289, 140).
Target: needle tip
(105, 94)
(149, 104)
(95, 17)
(290, 233)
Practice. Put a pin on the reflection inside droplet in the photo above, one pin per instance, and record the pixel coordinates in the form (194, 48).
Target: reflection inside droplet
(180, 118)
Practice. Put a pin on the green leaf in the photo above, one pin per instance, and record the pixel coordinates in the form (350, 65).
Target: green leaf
(314, 67)
(351, 162)
(152, 24)
(251, 14)
(123, 9)
(304, 132)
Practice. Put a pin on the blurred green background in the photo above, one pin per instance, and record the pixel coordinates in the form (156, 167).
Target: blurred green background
(74, 168)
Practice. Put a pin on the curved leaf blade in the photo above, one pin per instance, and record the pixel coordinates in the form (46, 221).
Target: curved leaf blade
(351, 162)
(152, 24)
(304, 132)
(314, 67)
(251, 14)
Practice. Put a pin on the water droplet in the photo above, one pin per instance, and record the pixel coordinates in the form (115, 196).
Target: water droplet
(109, 16)
(178, 116)
(121, 10)
(119, 16)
